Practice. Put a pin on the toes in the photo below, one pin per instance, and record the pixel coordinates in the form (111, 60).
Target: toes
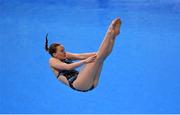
(113, 22)
(118, 20)
(115, 25)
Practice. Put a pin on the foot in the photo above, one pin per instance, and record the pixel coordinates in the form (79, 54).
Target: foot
(114, 28)
(117, 26)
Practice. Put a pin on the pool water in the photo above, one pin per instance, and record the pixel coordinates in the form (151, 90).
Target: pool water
(140, 76)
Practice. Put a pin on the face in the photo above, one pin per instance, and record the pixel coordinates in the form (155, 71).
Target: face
(60, 53)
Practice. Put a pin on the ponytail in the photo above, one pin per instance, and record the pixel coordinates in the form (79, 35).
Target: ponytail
(52, 48)
(46, 43)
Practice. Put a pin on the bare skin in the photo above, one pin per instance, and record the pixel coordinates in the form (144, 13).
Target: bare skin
(93, 62)
(55, 62)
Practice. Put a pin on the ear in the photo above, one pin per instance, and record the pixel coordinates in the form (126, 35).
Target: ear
(54, 54)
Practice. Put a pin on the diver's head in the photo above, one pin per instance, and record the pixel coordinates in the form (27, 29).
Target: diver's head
(56, 50)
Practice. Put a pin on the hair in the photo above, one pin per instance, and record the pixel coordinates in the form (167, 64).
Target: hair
(52, 48)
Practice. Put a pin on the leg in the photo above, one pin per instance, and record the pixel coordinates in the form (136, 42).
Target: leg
(91, 71)
(96, 79)
(116, 30)
(86, 75)
(108, 42)
(111, 44)
(97, 76)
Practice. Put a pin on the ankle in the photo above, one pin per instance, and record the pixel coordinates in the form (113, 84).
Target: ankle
(111, 33)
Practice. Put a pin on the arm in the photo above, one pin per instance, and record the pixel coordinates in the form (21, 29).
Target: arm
(81, 56)
(55, 63)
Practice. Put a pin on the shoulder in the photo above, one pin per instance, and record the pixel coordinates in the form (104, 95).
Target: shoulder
(53, 60)
(57, 64)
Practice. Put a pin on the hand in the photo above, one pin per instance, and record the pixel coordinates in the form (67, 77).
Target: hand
(93, 53)
(90, 59)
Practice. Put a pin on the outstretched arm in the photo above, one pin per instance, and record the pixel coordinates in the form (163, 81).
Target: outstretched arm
(82, 56)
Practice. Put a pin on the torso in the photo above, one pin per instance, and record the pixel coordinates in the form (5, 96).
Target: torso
(61, 77)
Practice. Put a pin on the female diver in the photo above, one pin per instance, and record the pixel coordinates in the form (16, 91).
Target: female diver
(87, 78)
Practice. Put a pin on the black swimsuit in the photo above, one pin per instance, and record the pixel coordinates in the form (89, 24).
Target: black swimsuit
(71, 76)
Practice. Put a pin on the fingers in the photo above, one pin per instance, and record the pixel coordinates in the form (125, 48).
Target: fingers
(94, 55)
(91, 59)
